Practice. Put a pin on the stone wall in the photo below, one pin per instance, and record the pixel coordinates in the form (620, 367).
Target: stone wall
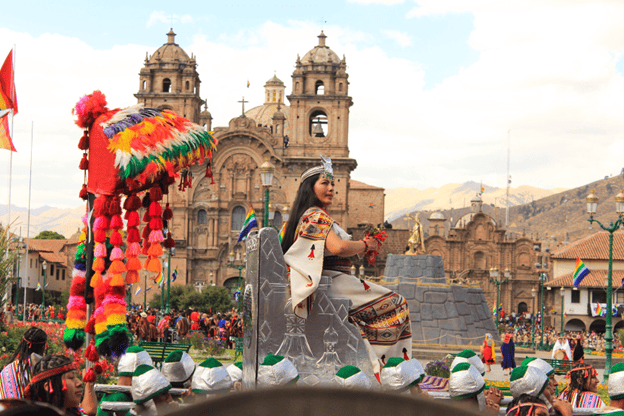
(440, 313)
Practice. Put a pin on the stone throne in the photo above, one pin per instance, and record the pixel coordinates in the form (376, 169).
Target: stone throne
(318, 346)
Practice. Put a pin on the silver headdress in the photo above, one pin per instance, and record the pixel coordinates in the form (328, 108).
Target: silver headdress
(325, 169)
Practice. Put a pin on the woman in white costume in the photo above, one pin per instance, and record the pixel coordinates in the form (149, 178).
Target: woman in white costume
(315, 245)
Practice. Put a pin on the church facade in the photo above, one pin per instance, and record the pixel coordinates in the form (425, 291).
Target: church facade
(208, 217)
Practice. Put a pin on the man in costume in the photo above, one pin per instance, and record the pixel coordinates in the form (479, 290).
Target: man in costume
(616, 391)
(315, 245)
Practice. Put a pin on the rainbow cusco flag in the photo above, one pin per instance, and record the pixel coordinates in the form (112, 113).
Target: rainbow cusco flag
(580, 271)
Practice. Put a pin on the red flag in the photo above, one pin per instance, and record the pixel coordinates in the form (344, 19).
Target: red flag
(5, 137)
(8, 97)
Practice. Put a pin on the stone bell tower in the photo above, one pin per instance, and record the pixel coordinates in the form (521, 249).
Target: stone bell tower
(169, 80)
(319, 104)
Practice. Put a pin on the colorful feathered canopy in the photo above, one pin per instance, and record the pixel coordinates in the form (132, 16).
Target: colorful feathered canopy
(136, 147)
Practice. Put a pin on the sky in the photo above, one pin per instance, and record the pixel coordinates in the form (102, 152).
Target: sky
(441, 88)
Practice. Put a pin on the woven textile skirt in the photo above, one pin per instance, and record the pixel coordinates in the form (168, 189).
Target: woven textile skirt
(381, 315)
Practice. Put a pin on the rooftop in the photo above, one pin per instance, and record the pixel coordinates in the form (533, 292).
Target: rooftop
(593, 247)
(597, 278)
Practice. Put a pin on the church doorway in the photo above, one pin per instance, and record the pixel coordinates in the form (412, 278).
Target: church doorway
(231, 284)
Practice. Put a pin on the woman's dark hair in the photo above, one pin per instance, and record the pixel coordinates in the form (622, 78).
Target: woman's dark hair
(524, 410)
(578, 377)
(306, 198)
(54, 393)
(34, 341)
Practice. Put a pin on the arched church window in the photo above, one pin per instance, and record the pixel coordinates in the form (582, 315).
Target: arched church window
(280, 97)
(318, 124)
(278, 220)
(277, 129)
(202, 217)
(479, 260)
(188, 85)
(274, 96)
(319, 88)
(144, 84)
(522, 308)
(268, 97)
(297, 86)
(340, 87)
(238, 216)
(166, 85)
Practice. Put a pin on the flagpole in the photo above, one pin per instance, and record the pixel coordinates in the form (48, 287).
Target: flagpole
(32, 135)
(10, 151)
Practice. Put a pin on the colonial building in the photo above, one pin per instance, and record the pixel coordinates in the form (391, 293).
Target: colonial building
(476, 246)
(209, 216)
(580, 305)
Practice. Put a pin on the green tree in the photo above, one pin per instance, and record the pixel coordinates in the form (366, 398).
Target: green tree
(50, 235)
(215, 298)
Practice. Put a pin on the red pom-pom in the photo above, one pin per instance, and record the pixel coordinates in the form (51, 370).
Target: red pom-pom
(146, 200)
(99, 236)
(91, 353)
(133, 218)
(145, 248)
(155, 210)
(100, 206)
(146, 216)
(116, 239)
(83, 144)
(114, 206)
(132, 276)
(84, 194)
(84, 162)
(90, 376)
(169, 242)
(146, 232)
(90, 327)
(98, 368)
(168, 213)
(77, 286)
(116, 223)
(133, 235)
(132, 203)
(89, 108)
(156, 193)
(156, 223)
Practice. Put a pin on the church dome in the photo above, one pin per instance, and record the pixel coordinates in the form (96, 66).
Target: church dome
(263, 114)
(437, 216)
(274, 81)
(169, 52)
(321, 54)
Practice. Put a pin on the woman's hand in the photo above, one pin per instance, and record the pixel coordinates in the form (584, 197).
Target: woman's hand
(371, 244)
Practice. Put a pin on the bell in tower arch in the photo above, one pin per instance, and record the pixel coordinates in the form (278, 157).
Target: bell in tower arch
(317, 129)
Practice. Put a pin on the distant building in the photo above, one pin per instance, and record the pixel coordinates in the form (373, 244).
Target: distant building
(581, 304)
(476, 243)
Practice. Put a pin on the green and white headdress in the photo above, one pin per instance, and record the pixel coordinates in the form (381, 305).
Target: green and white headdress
(211, 377)
(528, 380)
(469, 356)
(466, 382)
(326, 170)
(178, 368)
(616, 382)
(115, 403)
(399, 375)
(276, 370)
(147, 383)
(539, 364)
(236, 371)
(134, 357)
(352, 377)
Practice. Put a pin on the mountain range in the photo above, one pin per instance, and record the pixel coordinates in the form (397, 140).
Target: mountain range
(64, 221)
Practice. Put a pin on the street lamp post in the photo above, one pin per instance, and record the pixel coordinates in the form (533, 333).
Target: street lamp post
(533, 295)
(592, 205)
(494, 278)
(145, 292)
(236, 263)
(162, 286)
(44, 265)
(266, 175)
(542, 279)
(562, 292)
(168, 264)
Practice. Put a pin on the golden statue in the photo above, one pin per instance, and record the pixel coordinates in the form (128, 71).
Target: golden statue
(416, 242)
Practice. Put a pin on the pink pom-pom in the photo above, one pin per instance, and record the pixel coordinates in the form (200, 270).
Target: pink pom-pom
(100, 250)
(97, 312)
(76, 302)
(156, 236)
(85, 218)
(117, 254)
(133, 250)
(101, 223)
(114, 299)
(78, 273)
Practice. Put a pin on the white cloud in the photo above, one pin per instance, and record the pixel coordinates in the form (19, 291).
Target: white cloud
(402, 38)
(545, 70)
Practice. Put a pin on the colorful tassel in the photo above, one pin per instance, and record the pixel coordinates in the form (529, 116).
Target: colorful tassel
(90, 376)
(132, 277)
(100, 250)
(91, 353)
(168, 213)
(116, 280)
(133, 264)
(84, 163)
(155, 250)
(155, 237)
(132, 203)
(116, 239)
(155, 210)
(98, 264)
(133, 235)
(84, 193)
(116, 254)
(133, 219)
(153, 265)
(169, 242)
(83, 143)
(133, 250)
(116, 223)
(96, 280)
